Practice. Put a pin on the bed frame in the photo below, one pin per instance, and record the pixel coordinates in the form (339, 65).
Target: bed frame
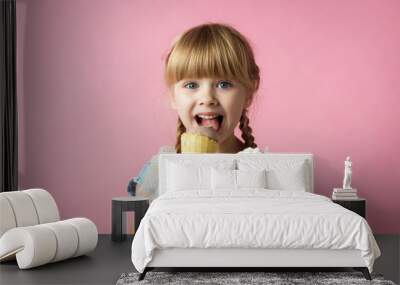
(243, 259)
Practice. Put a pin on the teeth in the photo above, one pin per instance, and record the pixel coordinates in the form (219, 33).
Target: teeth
(208, 117)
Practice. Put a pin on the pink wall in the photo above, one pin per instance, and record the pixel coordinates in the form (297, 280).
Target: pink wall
(93, 108)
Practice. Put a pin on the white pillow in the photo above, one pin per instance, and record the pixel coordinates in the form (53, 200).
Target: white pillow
(251, 178)
(189, 176)
(281, 174)
(223, 179)
(237, 179)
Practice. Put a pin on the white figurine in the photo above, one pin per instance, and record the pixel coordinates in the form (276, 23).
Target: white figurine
(347, 174)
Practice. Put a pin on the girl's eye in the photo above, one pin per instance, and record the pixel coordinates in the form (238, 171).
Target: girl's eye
(222, 84)
(225, 84)
(190, 85)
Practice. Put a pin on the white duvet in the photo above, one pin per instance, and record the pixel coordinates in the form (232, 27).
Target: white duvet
(250, 218)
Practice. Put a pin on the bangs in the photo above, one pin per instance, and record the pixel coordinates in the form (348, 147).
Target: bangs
(207, 52)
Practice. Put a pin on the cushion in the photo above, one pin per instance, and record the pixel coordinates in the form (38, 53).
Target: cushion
(181, 177)
(237, 179)
(223, 179)
(27, 208)
(23, 208)
(45, 205)
(7, 215)
(190, 176)
(51, 242)
(251, 178)
(282, 174)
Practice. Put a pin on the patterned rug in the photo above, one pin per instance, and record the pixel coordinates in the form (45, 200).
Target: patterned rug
(270, 278)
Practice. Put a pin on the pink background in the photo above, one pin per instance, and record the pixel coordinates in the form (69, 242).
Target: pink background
(93, 109)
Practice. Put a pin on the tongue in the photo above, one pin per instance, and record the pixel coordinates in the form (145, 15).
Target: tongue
(213, 123)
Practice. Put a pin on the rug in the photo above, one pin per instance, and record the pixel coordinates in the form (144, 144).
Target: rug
(269, 278)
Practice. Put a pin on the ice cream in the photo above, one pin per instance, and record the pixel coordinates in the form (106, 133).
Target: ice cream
(201, 140)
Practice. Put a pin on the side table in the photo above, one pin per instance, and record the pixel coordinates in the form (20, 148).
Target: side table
(137, 204)
(358, 205)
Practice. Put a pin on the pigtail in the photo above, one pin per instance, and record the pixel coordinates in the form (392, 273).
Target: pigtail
(179, 131)
(246, 130)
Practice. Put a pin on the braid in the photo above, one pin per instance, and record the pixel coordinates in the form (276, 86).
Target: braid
(179, 131)
(246, 131)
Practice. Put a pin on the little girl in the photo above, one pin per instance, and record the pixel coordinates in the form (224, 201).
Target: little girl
(211, 77)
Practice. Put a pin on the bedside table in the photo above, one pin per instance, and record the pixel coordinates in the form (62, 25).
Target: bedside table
(137, 204)
(358, 206)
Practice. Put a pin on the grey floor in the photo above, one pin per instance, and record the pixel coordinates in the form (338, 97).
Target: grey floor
(111, 259)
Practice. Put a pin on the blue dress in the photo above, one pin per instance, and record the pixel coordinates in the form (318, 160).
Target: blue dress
(140, 178)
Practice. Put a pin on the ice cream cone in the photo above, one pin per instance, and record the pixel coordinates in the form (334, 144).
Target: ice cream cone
(197, 143)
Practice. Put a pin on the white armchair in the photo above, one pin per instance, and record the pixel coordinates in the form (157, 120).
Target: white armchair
(32, 233)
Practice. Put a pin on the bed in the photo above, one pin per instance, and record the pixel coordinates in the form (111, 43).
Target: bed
(247, 210)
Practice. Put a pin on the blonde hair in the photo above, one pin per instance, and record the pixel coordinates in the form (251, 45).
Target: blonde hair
(214, 50)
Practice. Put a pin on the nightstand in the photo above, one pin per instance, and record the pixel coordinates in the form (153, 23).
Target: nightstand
(120, 205)
(358, 205)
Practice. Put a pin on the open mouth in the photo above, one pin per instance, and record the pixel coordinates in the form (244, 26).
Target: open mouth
(214, 122)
